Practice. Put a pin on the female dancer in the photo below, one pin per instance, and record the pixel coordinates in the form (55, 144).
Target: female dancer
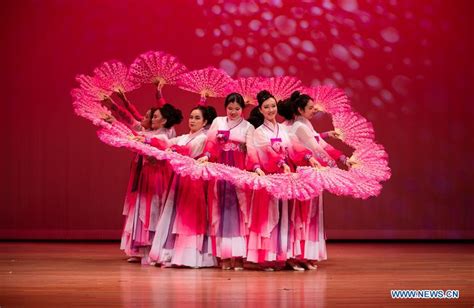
(144, 198)
(229, 138)
(298, 110)
(272, 229)
(181, 232)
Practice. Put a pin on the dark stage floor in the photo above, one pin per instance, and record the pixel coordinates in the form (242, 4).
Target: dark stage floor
(59, 274)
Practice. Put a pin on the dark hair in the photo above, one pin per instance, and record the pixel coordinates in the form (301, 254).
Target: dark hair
(285, 109)
(289, 107)
(256, 117)
(234, 98)
(172, 115)
(209, 113)
(152, 111)
(263, 96)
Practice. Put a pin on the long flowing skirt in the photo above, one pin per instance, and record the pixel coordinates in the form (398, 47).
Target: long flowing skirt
(143, 207)
(181, 232)
(228, 212)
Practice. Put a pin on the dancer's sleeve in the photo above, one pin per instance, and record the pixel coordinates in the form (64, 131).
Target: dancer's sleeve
(307, 138)
(160, 101)
(264, 157)
(298, 153)
(161, 142)
(335, 154)
(133, 110)
(123, 115)
(324, 135)
(211, 146)
(252, 162)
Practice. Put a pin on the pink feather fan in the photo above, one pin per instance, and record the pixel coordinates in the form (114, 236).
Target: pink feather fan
(328, 98)
(371, 162)
(281, 87)
(113, 76)
(92, 111)
(208, 82)
(365, 188)
(249, 87)
(353, 128)
(287, 186)
(334, 180)
(156, 67)
(91, 88)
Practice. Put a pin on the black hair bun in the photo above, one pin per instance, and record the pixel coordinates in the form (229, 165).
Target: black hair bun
(294, 96)
(172, 115)
(286, 109)
(211, 114)
(255, 117)
(263, 96)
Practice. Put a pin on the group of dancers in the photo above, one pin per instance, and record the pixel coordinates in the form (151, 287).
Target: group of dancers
(176, 221)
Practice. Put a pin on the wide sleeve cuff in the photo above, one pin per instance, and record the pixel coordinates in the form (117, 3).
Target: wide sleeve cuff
(281, 163)
(343, 159)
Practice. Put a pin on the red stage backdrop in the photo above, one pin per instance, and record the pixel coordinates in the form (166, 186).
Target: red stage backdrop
(406, 65)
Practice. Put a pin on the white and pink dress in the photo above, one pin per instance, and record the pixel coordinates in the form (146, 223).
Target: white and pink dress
(313, 237)
(274, 223)
(182, 229)
(228, 143)
(143, 201)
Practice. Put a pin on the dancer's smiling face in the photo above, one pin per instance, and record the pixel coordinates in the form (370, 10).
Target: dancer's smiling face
(157, 121)
(309, 111)
(269, 109)
(234, 111)
(196, 121)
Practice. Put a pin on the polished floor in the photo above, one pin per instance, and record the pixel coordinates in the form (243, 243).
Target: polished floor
(64, 274)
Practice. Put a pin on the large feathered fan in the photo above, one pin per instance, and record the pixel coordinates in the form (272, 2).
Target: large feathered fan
(249, 180)
(113, 76)
(78, 93)
(334, 180)
(118, 135)
(371, 162)
(365, 188)
(249, 87)
(208, 82)
(293, 186)
(187, 166)
(341, 182)
(92, 111)
(328, 98)
(353, 128)
(287, 186)
(305, 184)
(156, 67)
(90, 88)
(281, 87)
(361, 181)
